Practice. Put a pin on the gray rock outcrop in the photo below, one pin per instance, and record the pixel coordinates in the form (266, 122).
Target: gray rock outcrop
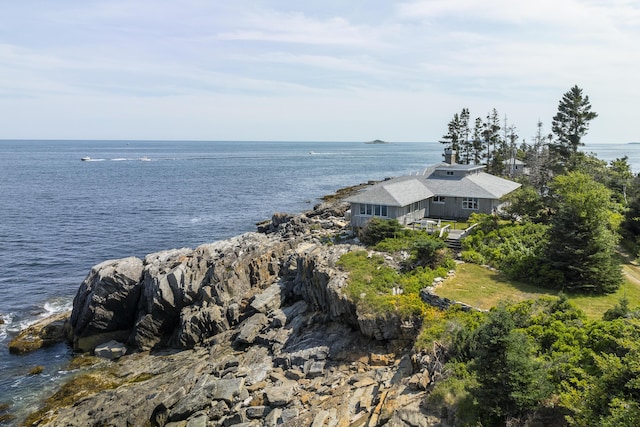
(255, 330)
(104, 307)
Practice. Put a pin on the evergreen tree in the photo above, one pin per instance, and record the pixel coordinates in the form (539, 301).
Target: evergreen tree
(510, 378)
(478, 142)
(466, 145)
(571, 123)
(631, 222)
(491, 136)
(457, 136)
(510, 149)
(537, 160)
(620, 178)
(581, 237)
(453, 137)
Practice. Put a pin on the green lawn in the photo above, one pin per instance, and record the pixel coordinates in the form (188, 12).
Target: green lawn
(484, 288)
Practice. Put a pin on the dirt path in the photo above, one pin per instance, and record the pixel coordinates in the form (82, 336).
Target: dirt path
(632, 272)
(630, 268)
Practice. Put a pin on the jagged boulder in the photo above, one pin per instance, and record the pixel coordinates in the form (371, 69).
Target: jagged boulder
(171, 281)
(178, 297)
(106, 303)
(198, 322)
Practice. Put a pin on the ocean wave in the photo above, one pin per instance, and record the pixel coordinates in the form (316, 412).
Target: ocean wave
(57, 305)
(7, 318)
(14, 323)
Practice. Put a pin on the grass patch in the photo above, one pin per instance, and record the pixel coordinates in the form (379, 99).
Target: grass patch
(456, 225)
(484, 288)
(371, 283)
(595, 306)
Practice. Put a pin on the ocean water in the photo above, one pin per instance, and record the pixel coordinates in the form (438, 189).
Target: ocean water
(60, 215)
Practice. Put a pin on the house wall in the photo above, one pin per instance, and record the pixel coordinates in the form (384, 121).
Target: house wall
(452, 208)
(404, 214)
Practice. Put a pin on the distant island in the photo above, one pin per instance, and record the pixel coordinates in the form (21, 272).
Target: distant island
(377, 141)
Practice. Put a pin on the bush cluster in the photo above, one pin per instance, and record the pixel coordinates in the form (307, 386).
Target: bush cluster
(372, 280)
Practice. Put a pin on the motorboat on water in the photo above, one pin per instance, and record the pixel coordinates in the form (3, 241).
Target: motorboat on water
(85, 159)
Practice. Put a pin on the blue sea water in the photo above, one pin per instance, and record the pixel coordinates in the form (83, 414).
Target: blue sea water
(60, 215)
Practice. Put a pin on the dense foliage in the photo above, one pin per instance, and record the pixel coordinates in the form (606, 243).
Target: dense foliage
(517, 249)
(539, 360)
(377, 286)
(582, 240)
(543, 362)
(568, 242)
(378, 229)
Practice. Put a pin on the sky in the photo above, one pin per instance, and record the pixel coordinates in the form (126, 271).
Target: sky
(312, 70)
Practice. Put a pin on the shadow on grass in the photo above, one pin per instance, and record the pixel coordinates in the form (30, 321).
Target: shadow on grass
(485, 288)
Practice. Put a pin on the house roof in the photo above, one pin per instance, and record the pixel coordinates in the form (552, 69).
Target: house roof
(404, 190)
(481, 185)
(400, 191)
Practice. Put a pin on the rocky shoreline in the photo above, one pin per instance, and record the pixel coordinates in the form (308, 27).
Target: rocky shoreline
(250, 331)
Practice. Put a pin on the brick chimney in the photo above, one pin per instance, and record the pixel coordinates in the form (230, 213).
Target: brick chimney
(450, 156)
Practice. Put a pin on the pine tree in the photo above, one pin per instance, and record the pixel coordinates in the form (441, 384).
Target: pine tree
(491, 135)
(537, 160)
(571, 123)
(478, 142)
(582, 243)
(466, 145)
(453, 136)
(510, 379)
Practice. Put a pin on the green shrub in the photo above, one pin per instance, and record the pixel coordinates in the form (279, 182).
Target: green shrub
(472, 257)
(514, 249)
(377, 229)
(429, 251)
(371, 283)
(450, 398)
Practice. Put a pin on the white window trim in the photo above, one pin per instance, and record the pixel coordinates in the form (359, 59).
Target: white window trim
(368, 209)
(470, 201)
(439, 200)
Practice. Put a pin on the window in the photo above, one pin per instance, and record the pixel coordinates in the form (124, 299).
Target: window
(438, 199)
(470, 203)
(377, 210)
(450, 173)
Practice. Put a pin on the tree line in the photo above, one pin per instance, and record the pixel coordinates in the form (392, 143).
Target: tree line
(543, 362)
(565, 224)
(492, 141)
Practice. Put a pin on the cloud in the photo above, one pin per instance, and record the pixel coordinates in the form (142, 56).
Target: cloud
(364, 63)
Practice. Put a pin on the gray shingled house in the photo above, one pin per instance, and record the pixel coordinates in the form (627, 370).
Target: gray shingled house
(447, 190)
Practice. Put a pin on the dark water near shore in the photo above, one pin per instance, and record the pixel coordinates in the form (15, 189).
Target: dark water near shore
(59, 215)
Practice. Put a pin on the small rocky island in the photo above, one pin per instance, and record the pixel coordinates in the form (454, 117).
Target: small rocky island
(251, 331)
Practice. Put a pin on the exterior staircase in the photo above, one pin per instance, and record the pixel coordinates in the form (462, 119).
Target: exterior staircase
(453, 240)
